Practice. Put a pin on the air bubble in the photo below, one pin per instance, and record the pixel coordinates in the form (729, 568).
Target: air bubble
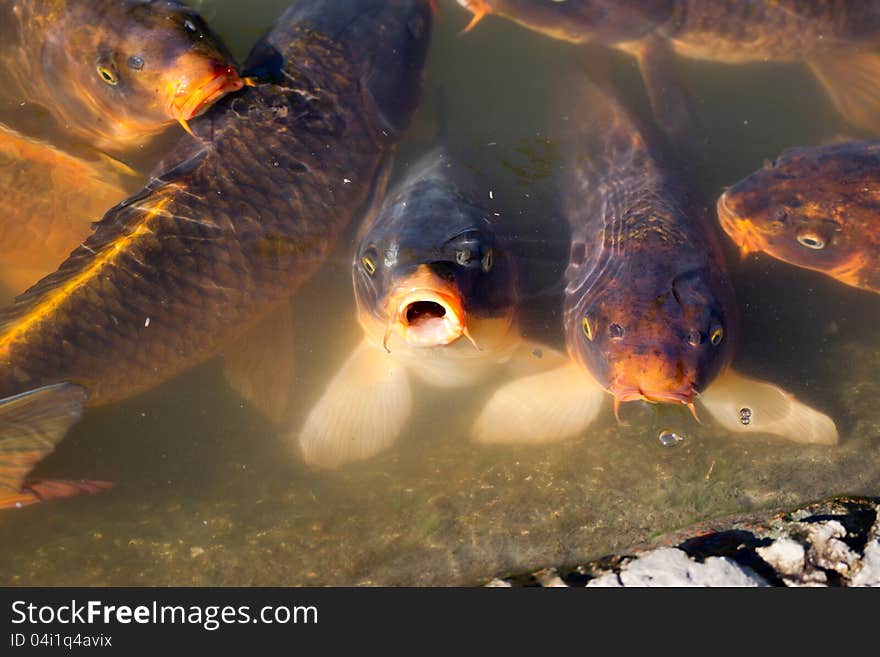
(670, 438)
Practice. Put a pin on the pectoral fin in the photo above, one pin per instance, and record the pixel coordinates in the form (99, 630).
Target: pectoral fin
(259, 366)
(31, 425)
(540, 409)
(361, 413)
(746, 405)
(852, 80)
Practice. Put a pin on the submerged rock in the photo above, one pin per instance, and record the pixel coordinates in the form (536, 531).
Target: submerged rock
(835, 542)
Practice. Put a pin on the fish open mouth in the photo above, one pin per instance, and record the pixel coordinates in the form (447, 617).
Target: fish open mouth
(185, 106)
(426, 310)
(429, 319)
(419, 312)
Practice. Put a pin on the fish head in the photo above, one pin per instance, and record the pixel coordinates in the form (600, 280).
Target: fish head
(806, 209)
(663, 341)
(138, 69)
(430, 271)
(586, 20)
(386, 40)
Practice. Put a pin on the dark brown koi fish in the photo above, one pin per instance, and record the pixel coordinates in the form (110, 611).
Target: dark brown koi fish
(649, 309)
(178, 272)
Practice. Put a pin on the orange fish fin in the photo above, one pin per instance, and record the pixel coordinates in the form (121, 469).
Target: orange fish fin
(31, 425)
(852, 80)
(540, 409)
(480, 9)
(185, 125)
(259, 366)
(48, 203)
(119, 166)
(744, 405)
(362, 411)
(51, 489)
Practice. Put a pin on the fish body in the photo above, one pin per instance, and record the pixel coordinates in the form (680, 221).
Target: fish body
(649, 310)
(112, 73)
(815, 208)
(441, 280)
(236, 218)
(731, 31)
(79, 79)
(436, 296)
(836, 38)
(735, 32)
(579, 21)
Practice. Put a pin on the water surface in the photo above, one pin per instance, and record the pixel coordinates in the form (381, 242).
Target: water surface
(210, 493)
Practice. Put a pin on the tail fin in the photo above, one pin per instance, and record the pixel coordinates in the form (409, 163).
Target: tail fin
(31, 425)
(852, 80)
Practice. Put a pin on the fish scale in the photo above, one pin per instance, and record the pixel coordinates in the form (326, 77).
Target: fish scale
(137, 247)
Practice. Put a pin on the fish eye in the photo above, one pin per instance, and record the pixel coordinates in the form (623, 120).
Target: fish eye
(716, 336)
(369, 264)
(135, 62)
(616, 331)
(695, 338)
(108, 76)
(811, 241)
(488, 260)
(588, 329)
(463, 256)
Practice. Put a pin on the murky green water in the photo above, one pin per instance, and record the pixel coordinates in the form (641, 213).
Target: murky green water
(209, 493)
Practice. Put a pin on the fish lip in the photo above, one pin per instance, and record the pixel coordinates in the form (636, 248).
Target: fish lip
(435, 332)
(741, 231)
(629, 393)
(224, 80)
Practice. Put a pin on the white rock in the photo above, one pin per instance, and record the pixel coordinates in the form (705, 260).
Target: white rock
(672, 567)
(785, 556)
(828, 551)
(868, 572)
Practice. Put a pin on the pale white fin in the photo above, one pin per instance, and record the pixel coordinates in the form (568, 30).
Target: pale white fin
(362, 411)
(259, 366)
(746, 405)
(852, 80)
(540, 409)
